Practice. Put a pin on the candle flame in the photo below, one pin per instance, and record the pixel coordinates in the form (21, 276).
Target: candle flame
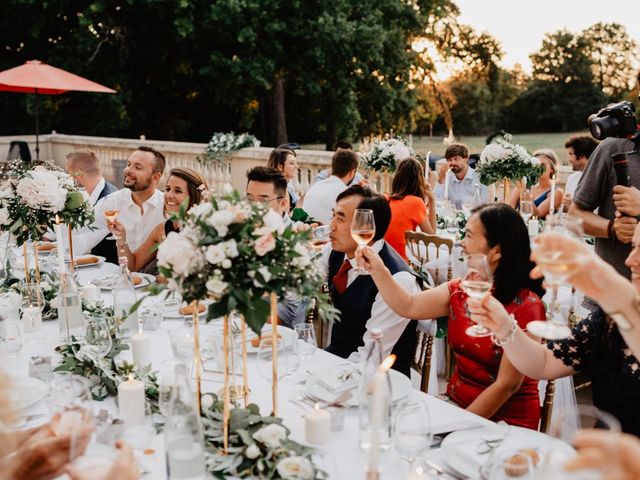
(131, 377)
(388, 362)
(419, 470)
(57, 219)
(317, 406)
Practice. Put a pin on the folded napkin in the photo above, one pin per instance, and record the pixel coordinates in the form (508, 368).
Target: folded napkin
(341, 380)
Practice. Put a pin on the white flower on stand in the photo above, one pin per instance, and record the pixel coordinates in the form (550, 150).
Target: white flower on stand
(5, 218)
(215, 254)
(216, 286)
(221, 220)
(41, 190)
(398, 149)
(295, 468)
(271, 435)
(231, 248)
(273, 222)
(180, 254)
(253, 451)
(266, 275)
(201, 209)
(303, 260)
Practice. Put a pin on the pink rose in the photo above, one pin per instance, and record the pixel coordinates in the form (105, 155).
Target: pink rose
(265, 244)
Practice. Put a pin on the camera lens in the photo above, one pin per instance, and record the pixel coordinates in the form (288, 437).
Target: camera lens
(603, 127)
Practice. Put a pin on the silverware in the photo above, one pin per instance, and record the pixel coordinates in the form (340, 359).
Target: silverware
(442, 472)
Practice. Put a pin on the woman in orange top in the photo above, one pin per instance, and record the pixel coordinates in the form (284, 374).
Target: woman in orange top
(412, 204)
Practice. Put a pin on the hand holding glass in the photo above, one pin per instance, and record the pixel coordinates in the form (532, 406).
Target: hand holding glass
(476, 282)
(363, 227)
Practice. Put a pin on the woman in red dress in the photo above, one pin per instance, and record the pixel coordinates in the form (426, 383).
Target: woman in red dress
(484, 381)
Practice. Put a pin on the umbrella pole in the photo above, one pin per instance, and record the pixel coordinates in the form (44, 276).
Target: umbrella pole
(37, 140)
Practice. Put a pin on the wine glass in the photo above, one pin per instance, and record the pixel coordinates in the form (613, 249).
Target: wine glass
(97, 338)
(307, 343)
(556, 265)
(182, 343)
(363, 229)
(264, 359)
(110, 216)
(33, 302)
(526, 210)
(10, 338)
(476, 282)
(412, 431)
(514, 464)
(293, 356)
(319, 237)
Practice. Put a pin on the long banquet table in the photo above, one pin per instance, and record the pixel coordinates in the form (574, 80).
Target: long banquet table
(342, 449)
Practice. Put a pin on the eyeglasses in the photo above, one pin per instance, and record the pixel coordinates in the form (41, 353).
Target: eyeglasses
(261, 200)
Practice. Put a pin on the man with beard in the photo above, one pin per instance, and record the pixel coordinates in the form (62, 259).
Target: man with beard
(139, 206)
(462, 183)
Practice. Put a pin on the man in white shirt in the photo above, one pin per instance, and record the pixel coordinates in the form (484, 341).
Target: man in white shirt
(84, 167)
(462, 180)
(355, 294)
(140, 206)
(321, 197)
(579, 149)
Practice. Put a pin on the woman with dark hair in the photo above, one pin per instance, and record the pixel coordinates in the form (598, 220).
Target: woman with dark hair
(412, 204)
(183, 185)
(284, 160)
(484, 381)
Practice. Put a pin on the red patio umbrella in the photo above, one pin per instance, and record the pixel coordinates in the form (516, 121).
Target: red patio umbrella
(40, 78)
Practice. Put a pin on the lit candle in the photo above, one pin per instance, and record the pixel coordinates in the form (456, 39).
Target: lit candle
(417, 474)
(317, 425)
(90, 292)
(378, 405)
(141, 346)
(427, 167)
(534, 227)
(31, 319)
(552, 199)
(446, 185)
(131, 402)
(57, 228)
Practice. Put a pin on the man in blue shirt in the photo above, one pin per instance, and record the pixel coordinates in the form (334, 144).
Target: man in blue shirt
(462, 180)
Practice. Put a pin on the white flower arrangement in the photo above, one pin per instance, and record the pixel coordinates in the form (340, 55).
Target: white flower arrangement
(33, 196)
(222, 145)
(505, 160)
(236, 253)
(385, 155)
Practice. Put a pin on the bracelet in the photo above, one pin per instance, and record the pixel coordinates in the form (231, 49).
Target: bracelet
(509, 336)
(611, 234)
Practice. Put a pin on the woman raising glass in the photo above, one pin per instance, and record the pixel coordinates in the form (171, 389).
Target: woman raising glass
(483, 381)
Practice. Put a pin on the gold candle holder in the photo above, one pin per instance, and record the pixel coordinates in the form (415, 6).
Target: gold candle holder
(35, 256)
(71, 261)
(274, 352)
(245, 376)
(196, 350)
(227, 391)
(25, 254)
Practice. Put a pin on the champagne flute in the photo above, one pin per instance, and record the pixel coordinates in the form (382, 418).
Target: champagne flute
(363, 229)
(110, 216)
(556, 265)
(476, 282)
(526, 210)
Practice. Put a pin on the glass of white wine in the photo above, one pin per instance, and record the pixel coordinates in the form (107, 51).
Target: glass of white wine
(363, 229)
(526, 210)
(556, 265)
(477, 280)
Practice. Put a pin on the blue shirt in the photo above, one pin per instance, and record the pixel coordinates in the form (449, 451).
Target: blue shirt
(458, 189)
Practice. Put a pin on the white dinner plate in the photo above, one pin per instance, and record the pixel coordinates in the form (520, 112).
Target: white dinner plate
(100, 261)
(107, 283)
(400, 388)
(26, 392)
(465, 452)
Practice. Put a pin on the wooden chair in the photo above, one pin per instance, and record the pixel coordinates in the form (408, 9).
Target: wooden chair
(418, 244)
(547, 406)
(421, 361)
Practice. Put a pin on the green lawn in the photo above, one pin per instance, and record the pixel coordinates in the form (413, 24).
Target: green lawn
(531, 141)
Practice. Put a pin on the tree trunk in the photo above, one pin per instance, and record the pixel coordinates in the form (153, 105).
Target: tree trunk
(275, 129)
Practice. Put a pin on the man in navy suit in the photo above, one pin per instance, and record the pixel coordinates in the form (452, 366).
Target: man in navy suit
(84, 167)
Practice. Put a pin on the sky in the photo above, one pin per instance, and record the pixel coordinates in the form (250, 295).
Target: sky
(520, 24)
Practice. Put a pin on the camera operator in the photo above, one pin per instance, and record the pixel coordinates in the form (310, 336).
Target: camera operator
(614, 223)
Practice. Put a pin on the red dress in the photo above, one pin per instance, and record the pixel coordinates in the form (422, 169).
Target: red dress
(477, 360)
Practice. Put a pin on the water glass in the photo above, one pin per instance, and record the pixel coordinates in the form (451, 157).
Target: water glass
(10, 338)
(97, 338)
(307, 343)
(264, 359)
(182, 343)
(412, 431)
(165, 388)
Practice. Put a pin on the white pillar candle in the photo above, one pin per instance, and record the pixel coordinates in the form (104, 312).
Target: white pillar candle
(131, 402)
(552, 198)
(90, 292)
(446, 185)
(317, 425)
(31, 319)
(141, 346)
(427, 167)
(533, 226)
(57, 229)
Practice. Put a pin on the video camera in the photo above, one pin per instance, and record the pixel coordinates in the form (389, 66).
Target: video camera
(614, 120)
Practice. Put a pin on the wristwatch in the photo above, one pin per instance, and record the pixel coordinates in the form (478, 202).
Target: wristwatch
(620, 319)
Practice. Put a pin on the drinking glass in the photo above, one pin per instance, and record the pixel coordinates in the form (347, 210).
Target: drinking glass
(10, 338)
(264, 359)
(307, 343)
(319, 237)
(110, 216)
(476, 282)
(412, 431)
(32, 305)
(182, 343)
(515, 464)
(526, 210)
(453, 226)
(165, 388)
(363, 229)
(97, 339)
(293, 357)
(467, 204)
(556, 265)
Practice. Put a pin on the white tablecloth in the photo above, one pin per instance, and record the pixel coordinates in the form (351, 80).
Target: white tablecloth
(343, 446)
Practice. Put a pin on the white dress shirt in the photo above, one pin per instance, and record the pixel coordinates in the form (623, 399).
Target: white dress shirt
(321, 198)
(458, 189)
(572, 183)
(137, 224)
(382, 317)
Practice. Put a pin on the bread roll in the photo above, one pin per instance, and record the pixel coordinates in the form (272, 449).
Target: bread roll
(86, 260)
(136, 279)
(188, 309)
(46, 247)
(255, 342)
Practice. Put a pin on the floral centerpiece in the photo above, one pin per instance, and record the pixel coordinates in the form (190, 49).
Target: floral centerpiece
(222, 145)
(33, 196)
(237, 252)
(507, 161)
(384, 155)
(48, 285)
(259, 447)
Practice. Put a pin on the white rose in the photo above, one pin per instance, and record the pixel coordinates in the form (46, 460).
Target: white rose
(273, 222)
(253, 451)
(220, 220)
(215, 254)
(271, 435)
(295, 468)
(40, 189)
(231, 248)
(53, 303)
(201, 209)
(226, 263)
(216, 286)
(180, 255)
(5, 218)
(303, 260)
(266, 275)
